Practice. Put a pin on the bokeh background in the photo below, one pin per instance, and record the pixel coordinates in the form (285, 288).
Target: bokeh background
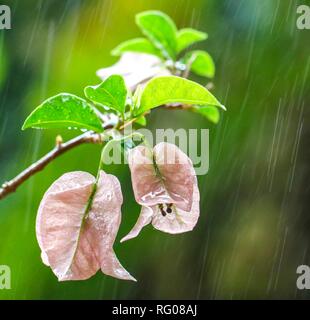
(254, 228)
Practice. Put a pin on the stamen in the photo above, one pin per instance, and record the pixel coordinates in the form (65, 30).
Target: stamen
(169, 210)
(161, 208)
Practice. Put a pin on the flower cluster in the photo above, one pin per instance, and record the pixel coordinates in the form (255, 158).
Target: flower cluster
(79, 215)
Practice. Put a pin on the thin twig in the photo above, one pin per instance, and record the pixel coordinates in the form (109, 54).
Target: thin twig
(60, 148)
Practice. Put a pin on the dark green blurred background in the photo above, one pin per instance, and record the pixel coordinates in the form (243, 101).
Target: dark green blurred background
(254, 228)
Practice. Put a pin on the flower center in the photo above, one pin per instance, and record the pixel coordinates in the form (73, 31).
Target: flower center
(165, 208)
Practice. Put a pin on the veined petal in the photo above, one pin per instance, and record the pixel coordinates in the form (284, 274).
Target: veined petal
(75, 246)
(104, 221)
(144, 219)
(165, 184)
(178, 221)
(147, 184)
(164, 175)
(178, 173)
(59, 227)
(135, 68)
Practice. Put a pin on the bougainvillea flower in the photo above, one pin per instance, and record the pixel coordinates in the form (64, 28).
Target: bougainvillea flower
(165, 184)
(76, 242)
(136, 68)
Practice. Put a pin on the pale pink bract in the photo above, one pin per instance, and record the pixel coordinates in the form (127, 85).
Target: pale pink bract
(136, 68)
(165, 184)
(75, 246)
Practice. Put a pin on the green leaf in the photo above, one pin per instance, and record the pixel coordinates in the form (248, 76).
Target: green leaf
(64, 110)
(111, 93)
(172, 89)
(141, 121)
(188, 36)
(161, 31)
(141, 45)
(210, 112)
(201, 63)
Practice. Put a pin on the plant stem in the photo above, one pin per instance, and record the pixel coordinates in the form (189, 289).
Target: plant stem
(60, 148)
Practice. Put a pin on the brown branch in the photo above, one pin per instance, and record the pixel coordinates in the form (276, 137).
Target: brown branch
(60, 148)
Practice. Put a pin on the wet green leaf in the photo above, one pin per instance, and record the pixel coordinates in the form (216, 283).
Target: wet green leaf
(172, 89)
(210, 112)
(62, 111)
(189, 36)
(111, 93)
(161, 31)
(201, 63)
(141, 45)
(141, 121)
